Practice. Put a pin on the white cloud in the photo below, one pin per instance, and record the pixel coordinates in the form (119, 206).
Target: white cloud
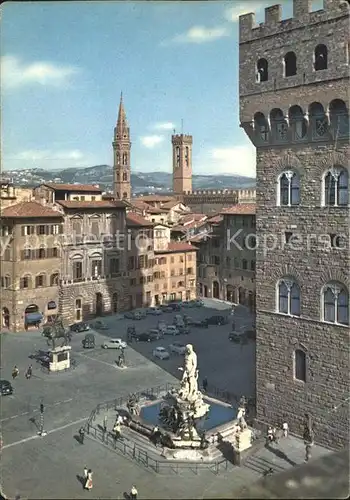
(47, 159)
(164, 126)
(15, 73)
(42, 154)
(151, 141)
(238, 160)
(201, 34)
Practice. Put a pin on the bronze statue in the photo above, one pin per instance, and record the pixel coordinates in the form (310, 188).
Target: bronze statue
(56, 330)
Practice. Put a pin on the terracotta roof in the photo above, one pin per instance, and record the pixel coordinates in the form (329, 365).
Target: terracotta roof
(240, 209)
(136, 220)
(189, 218)
(197, 238)
(91, 204)
(178, 246)
(140, 204)
(28, 209)
(155, 210)
(215, 219)
(170, 204)
(79, 188)
(154, 197)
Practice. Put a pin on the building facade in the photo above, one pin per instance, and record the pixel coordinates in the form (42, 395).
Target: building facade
(294, 80)
(30, 264)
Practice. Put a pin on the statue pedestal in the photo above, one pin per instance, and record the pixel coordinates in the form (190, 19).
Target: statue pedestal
(243, 440)
(59, 359)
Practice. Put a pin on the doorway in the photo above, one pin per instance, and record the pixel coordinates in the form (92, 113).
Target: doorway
(216, 290)
(99, 304)
(5, 317)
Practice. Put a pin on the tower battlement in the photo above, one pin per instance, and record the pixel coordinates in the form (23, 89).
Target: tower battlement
(180, 138)
(302, 16)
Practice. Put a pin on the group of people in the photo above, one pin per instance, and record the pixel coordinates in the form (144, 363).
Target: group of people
(88, 484)
(274, 433)
(28, 374)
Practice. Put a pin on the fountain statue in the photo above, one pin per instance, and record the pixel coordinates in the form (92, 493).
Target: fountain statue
(183, 406)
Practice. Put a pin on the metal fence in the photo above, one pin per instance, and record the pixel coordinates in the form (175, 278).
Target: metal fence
(137, 452)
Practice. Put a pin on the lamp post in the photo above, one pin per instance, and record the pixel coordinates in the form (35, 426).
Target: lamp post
(42, 432)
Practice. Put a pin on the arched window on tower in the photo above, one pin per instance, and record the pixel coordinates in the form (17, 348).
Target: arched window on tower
(187, 156)
(279, 126)
(297, 123)
(336, 187)
(125, 176)
(262, 74)
(335, 303)
(288, 189)
(261, 127)
(339, 118)
(118, 158)
(318, 121)
(177, 153)
(290, 64)
(320, 57)
(118, 176)
(125, 158)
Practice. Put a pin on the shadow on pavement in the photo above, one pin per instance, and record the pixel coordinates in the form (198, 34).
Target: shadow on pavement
(280, 454)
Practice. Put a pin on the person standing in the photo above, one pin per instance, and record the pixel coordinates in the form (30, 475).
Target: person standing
(133, 493)
(285, 429)
(29, 372)
(15, 372)
(88, 482)
(105, 421)
(82, 434)
(85, 474)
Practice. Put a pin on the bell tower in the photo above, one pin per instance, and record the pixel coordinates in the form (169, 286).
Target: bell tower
(121, 152)
(182, 163)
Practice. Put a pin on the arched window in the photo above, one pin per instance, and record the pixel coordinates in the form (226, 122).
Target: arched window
(125, 176)
(335, 303)
(320, 57)
(262, 74)
(297, 123)
(125, 195)
(318, 121)
(54, 279)
(187, 156)
(118, 176)
(290, 64)
(177, 153)
(95, 229)
(288, 189)
(125, 158)
(336, 187)
(5, 281)
(245, 264)
(279, 126)
(288, 297)
(25, 282)
(300, 365)
(339, 118)
(41, 252)
(261, 127)
(40, 280)
(118, 158)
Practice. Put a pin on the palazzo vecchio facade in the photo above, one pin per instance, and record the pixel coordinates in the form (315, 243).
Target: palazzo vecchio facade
(294, 80)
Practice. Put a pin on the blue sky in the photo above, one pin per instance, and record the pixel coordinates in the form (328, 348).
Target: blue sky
(64, 65)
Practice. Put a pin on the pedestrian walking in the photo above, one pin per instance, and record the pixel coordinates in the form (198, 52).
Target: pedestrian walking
(269, 436)
(82, 434)
(88, 482)
(117, 429)
(205, 384)
(133, 493)
(29, 372)
(85, 473)
(15, 372)
(105, 421)
(285, 429)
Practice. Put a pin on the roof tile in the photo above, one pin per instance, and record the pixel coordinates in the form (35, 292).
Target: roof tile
(240, 209)
(79, 188)
(91, 204)
(136, 220)
(28, 209)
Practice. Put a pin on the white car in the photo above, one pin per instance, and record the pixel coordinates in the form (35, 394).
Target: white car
(178, 348)
(171, 330)
(154, 311)
(114, 344)
(161, 353)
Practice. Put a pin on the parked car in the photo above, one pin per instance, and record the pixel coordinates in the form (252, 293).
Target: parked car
(197, 302)
(195, 322)
(162, 326)
(184, 330)
(79, 327)
(143, 337)
(100, 325)
(237, 337)
(186, 303)
(165, 308)
(88, 341)
(154, 311)
(140, 314)
(177, 347)
(129, 315)
(175, 306)
(171, 330)
(217, 320)
(155, 333)
(114, 344)
(178, 320)
(161, 353)
(6, 388)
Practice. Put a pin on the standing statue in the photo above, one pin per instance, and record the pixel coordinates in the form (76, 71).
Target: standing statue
(189, 381)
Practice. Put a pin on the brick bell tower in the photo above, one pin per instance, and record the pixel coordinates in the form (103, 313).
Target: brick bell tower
(182, 163)
(121, 152)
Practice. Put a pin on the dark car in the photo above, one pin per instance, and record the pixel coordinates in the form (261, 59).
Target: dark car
(79, 327)
(217, 320)
(6, 388)
(175, 306)
(144, 337)
(237, 337)
(183, 329)
(89, 341)
(166, 308)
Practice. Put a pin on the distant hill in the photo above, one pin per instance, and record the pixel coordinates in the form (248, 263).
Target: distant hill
(141, 181)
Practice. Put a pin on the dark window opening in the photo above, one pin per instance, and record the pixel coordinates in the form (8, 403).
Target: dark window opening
(321, 57)
(300, 365)
(262, 70)
(290, 64)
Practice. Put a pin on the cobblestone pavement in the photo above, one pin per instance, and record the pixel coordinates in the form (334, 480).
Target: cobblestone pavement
(48, 467)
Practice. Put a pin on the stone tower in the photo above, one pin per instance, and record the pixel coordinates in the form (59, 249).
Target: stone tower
(182, 163)
(294, 80)
(121, 151)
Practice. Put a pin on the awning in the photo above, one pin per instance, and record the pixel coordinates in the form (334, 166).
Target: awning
(33, 317)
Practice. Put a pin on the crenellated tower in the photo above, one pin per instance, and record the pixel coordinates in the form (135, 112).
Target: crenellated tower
(121, 152)
(182, 163)
(294, 107)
